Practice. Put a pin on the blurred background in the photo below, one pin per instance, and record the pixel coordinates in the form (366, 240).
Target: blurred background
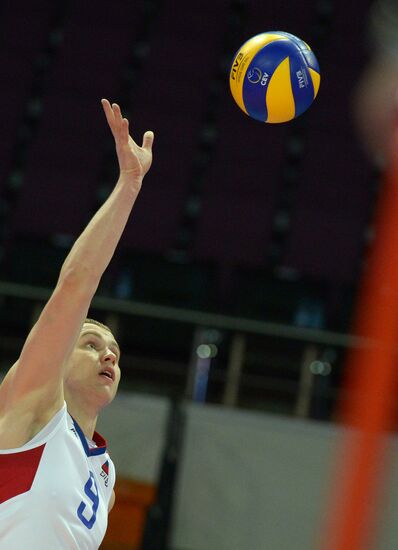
(232, 291)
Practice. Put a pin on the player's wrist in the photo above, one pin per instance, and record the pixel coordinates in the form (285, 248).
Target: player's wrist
(129, 171)
(130, 179)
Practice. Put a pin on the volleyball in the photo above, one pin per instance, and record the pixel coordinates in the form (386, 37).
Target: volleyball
(274, 77)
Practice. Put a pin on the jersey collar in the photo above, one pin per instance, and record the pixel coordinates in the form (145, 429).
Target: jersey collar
(98, 440)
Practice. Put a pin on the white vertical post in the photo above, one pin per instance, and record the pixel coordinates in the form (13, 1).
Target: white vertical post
(234, 370)
(304, 395)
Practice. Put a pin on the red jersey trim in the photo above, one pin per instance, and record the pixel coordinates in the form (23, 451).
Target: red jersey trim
(99, 440)
(18, 471)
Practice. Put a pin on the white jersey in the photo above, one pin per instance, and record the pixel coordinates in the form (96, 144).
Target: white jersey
(55, 489)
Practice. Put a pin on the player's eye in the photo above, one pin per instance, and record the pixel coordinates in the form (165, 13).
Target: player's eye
(92, 345)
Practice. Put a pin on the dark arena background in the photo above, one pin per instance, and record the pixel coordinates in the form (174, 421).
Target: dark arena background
(233, 289)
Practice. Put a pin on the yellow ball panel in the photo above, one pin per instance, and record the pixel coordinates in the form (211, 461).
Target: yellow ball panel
(243, 59)
(279, 98)
(316, 80)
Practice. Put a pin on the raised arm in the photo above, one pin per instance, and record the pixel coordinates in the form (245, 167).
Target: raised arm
(37, 376)
(94, 249)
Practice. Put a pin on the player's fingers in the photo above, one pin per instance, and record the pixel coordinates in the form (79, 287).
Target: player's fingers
(147, 140)
(110, 117)
(125, 130)
(118, 114)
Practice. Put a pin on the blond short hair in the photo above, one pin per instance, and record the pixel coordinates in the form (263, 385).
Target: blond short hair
(94, 322)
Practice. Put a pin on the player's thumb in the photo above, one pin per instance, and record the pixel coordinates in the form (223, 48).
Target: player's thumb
(147, 140)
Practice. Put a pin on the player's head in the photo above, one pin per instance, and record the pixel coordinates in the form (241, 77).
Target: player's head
(376, 108)
(376, 94)
(92, 374)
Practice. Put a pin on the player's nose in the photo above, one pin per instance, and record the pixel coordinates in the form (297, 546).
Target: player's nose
(109, 357)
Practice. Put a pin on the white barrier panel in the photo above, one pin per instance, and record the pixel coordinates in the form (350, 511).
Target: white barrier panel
(134, 426)
(258, 482)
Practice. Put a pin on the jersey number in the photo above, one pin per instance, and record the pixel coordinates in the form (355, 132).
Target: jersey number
(91, 491)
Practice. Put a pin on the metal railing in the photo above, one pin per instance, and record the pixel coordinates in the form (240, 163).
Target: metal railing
(313, 340)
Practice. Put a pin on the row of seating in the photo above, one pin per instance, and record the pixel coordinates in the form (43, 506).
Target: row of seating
(182, 64)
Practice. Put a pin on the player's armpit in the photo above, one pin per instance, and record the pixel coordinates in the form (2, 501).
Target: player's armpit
(40, 367)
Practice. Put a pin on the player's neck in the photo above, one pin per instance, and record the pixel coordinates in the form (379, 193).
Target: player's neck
(86, 419)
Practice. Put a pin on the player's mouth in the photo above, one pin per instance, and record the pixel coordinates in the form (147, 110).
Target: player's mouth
(109, 373)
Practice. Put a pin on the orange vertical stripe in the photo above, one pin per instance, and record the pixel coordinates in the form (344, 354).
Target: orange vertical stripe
(371, 384)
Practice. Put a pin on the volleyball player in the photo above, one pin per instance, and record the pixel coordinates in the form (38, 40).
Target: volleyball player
(56, 477)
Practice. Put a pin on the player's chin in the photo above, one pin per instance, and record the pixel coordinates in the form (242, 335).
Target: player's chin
(106, 395)
(110, 399)
(109, 388)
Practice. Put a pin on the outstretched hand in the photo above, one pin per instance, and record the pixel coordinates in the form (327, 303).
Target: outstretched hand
(134, 160)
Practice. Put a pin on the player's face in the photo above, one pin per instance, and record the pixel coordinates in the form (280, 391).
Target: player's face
(94, 364)
(376, 108)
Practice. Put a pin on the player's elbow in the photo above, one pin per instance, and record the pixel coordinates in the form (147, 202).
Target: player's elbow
(81, 280)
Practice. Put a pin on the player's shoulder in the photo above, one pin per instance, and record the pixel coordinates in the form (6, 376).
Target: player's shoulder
(19, 418)
(16, 427)
(5, 389)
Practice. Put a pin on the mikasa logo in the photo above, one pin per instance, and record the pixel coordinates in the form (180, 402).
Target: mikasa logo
(302, 79)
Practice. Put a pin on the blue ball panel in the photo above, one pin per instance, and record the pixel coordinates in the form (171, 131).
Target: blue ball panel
(266, 60)
(303, 89)
(300, 43)
(311, 60)
(308, 53)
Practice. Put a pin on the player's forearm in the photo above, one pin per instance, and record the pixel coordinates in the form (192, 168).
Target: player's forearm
(93, 250)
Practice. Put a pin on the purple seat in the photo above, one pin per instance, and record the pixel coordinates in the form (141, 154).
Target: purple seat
(158, 210)
(239, 195)
(341, 56)
(95, 49)
(277, 16)
(171, 98)
(183, 57)
(55, 203)
(331, 211)
(62, 168)
(16, 60)
(87, 64)
(32, 23)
